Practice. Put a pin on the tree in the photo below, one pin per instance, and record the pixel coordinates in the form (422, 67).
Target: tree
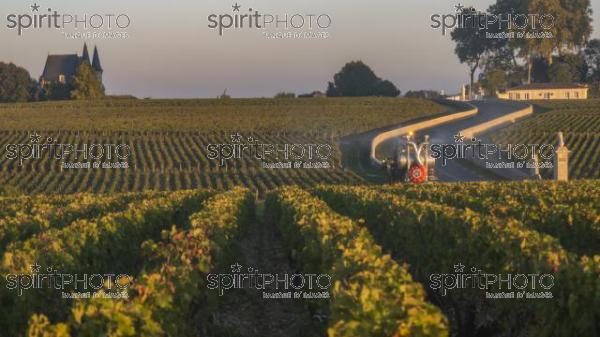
(471, 44)
(560, 72)
(577, 64)
(504, 59)
(570, 30)
(494, 81)
(332, 90)
(37, 93)
(425, 94)
(500, 58)
(543, 47)
(284, 94)
(539, 70)
(86, 84)
(594, 90)
(357, 79)
(15, 83)
(57, 91)
(575, 25)
(386, 89)
(592, 58)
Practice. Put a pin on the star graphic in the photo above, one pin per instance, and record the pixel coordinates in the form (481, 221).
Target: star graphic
(35, 7)
(236, 268)
(236, 7)
(35, 268)
(34, 137)
(459, 7)
(459, 138)
(458, 268)
(236, 138)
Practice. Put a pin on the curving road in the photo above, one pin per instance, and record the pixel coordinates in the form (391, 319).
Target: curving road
(356, 148)
(461, 170)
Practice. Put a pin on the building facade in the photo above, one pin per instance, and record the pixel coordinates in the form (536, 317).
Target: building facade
(546, 91)
(62, 68)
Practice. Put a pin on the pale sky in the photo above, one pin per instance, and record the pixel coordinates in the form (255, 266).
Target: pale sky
(171, 52)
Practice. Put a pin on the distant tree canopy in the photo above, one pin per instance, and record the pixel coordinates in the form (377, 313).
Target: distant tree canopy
(471, 44)
(570, 67)
(357, 79)
(592, 59)
(57, 91)
(594, 90)
(527, 60)
(16, 84)
(577, 65)
(312, 94)
(494, 80)
(86, 85)
(284, 94)
(560, 73)
(425, 94)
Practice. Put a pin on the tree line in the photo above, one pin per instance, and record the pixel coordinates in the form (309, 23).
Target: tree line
(355, 79)
(16, 85)
(566, 55)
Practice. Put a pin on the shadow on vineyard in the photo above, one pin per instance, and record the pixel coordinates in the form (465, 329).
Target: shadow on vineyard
(243, 312)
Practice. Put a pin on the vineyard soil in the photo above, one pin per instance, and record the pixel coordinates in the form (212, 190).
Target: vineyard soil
(244, 312)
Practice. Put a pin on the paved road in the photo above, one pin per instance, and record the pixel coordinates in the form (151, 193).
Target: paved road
(356, 147)
(456, 170)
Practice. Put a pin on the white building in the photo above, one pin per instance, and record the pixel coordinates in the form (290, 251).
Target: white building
(540, 91)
